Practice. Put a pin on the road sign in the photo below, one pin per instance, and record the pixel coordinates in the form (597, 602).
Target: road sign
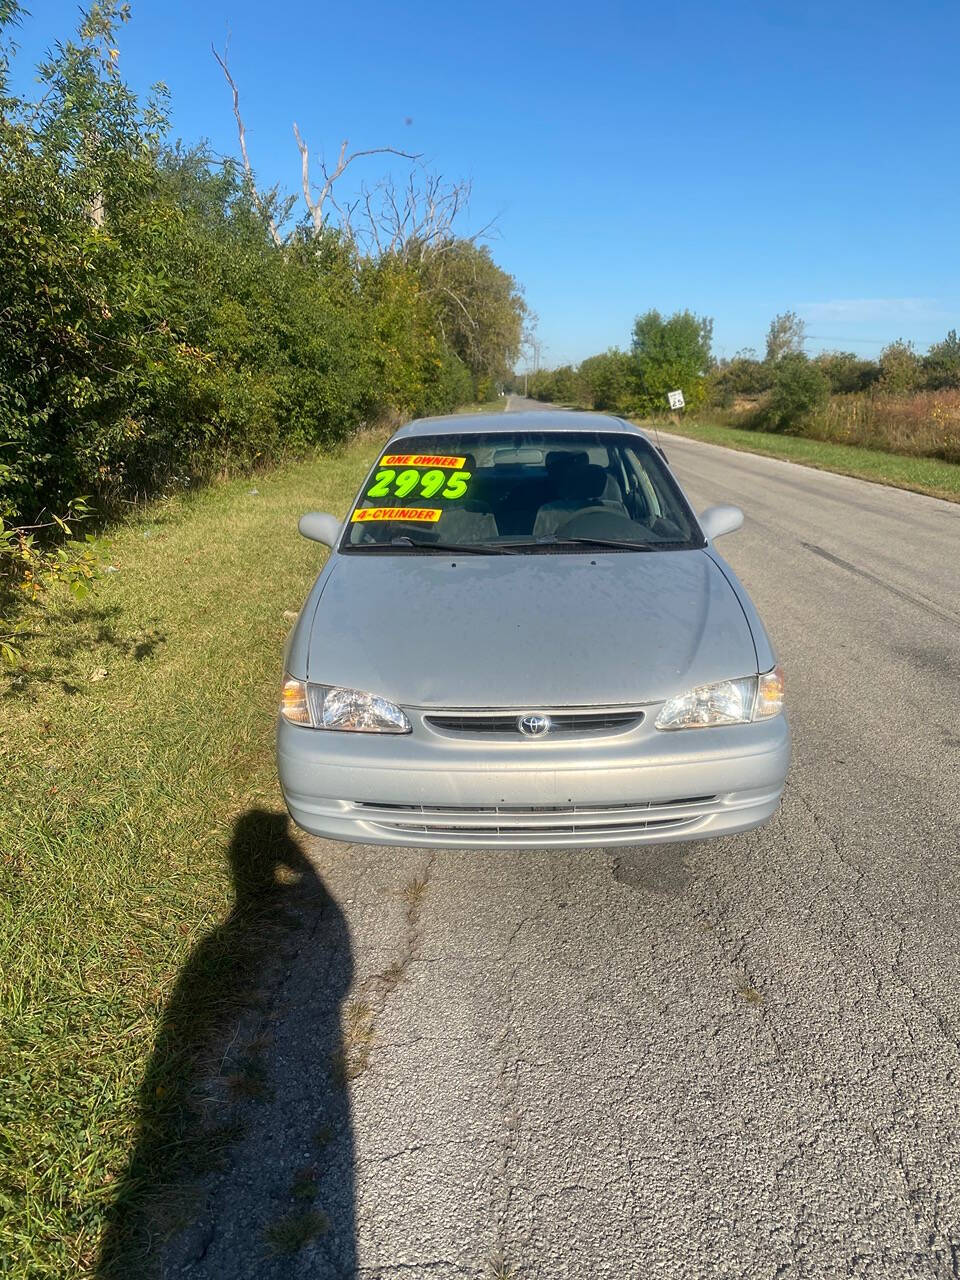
(676, 399)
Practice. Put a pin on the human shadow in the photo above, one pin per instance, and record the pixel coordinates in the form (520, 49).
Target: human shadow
(243, 1160)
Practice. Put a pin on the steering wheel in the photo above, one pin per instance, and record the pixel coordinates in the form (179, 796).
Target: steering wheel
(597, 522)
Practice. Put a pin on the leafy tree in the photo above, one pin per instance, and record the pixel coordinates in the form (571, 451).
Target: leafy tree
(607, 381)
(900, 368)
(785, 336)
(744, 375)
(800, 391)
(671, 353)
(846, 372)
(478, 306)
(941, 364)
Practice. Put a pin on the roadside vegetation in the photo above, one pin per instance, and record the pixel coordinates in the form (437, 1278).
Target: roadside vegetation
(137, 738)
(835, 409)
(165, 321)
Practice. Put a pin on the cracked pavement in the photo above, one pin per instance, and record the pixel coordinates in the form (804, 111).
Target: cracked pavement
(737, 1058)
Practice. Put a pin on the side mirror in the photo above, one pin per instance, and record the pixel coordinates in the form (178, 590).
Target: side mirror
(720, 519)
(320, 527)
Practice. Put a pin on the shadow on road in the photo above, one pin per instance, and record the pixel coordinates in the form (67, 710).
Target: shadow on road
(243, 1160)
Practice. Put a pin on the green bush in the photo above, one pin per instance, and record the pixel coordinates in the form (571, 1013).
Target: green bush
(743, 376)
(800, 391)
(846, 372)
(608, 381)
(900, 368)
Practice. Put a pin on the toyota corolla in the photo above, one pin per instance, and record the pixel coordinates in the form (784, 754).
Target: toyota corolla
(524, 636)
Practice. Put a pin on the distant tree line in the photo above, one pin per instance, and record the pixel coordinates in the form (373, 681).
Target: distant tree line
(903, 400)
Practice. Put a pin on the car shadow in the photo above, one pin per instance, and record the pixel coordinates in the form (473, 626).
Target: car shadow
(243, 1159)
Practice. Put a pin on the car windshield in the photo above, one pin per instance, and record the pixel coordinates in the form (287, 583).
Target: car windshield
(521, 492)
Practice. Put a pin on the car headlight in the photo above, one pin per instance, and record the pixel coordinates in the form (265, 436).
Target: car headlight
(726, 702)
(319, 706)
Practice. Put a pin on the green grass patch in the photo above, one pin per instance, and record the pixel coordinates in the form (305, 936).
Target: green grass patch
(922, 475)
(136, 749)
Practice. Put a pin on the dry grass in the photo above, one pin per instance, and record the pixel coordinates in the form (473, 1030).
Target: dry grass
(413, 894)
(353, 1056)
(921, 424)
(925, 424)
(499, 1269)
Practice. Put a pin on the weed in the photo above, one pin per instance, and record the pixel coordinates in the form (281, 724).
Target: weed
(288, 1235)
(413, 894)
(391, 977)
(353, 1057)
(499, 1269)
(323, 1136)
(305, 1184)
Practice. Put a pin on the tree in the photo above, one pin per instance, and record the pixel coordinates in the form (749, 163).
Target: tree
(800, 391)
(785, 336)
(899, 368)
(744, 375)
(941, 364)
(847, 372)
(479, 307)
(670, 354)
(607, 381)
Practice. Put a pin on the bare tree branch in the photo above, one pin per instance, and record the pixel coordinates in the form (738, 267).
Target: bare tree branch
(410, 221)
(415, 220)
(242, 135)
(315, 204)
(315, 213)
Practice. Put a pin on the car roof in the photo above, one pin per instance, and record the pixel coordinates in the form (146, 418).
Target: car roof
(536, 420)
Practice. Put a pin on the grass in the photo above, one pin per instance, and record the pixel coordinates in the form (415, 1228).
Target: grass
(922, 475)
(136, 749)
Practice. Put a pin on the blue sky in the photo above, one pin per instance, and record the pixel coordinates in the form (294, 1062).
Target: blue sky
(739, 159)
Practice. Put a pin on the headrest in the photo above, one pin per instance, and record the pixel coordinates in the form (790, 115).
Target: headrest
(559, 459)
(586, 482)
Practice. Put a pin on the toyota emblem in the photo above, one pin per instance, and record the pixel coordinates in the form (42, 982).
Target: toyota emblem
(534, 726)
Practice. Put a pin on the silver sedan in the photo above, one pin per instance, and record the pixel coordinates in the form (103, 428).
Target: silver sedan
(524, 636)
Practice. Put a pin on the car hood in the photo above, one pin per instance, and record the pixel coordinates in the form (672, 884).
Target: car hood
(527, 630)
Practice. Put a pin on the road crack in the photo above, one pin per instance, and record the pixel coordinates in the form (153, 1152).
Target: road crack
(366, 1005)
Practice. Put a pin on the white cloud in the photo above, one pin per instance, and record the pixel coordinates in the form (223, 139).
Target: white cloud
(871, 310)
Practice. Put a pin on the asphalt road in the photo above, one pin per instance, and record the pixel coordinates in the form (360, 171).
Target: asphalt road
(732, 1059)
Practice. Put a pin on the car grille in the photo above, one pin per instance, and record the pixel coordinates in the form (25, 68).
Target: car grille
(482, 822)
(561, 722)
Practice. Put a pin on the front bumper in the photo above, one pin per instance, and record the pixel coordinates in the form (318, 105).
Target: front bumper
(431, 789)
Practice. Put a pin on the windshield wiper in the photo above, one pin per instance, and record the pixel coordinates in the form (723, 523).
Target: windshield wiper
(403, 542)
(617, 544)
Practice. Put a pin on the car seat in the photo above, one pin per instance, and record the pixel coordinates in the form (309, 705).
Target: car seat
(578, 486)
